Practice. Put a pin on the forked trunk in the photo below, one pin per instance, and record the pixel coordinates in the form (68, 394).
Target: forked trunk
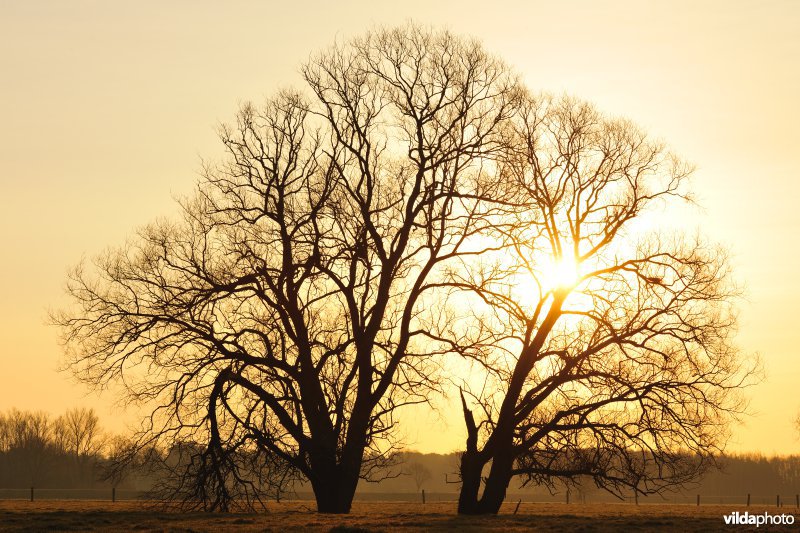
(494, 493)
(494, 490)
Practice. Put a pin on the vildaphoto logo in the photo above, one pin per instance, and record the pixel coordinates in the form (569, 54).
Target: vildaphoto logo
(766, 519)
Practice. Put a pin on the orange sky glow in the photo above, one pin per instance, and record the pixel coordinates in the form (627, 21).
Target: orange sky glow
(108, 108)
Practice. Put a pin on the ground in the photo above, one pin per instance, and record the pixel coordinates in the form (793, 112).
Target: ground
(378, 516)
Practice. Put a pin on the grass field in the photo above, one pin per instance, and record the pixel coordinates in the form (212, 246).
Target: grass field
(377, 516)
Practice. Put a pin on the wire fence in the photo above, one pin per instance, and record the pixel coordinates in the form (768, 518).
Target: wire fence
(33, 494)
(115, 494)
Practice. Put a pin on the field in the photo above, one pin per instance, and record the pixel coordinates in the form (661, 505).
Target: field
(374, 517)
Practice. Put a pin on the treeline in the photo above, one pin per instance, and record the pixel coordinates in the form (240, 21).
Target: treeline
(754, 474)
(37, 450)
(738, 475)
(67, 451)
(72, 451)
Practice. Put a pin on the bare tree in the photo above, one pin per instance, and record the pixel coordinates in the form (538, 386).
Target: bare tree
(77, 432)
(5, 434)
(29, 441)
(419, 473)
(83, 429)
(284, 318)
(605, 350)
(5, 445)
(789, 470)
(119, 451)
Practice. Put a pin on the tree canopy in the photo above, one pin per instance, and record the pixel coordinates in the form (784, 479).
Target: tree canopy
(316, 281)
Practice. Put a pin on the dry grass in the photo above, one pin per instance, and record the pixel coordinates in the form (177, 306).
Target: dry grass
(372, 517)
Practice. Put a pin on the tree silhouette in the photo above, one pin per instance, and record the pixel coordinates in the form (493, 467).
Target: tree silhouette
(284, 316)
(419, 473)
(413, 201)
(77, 432)
(604, 349)
(28, 442)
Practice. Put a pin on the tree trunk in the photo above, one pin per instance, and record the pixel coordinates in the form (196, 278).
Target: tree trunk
(499, 446)
(494, 491)
(471, 468)
(335, 483)
(335, 494)
(494, 494)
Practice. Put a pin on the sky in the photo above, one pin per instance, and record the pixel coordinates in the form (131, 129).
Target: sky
(108, 107)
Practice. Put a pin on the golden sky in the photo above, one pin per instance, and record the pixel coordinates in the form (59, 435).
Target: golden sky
(107, 108)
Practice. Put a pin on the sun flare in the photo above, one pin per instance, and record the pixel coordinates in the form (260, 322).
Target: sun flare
(562, 273)
(545, 275)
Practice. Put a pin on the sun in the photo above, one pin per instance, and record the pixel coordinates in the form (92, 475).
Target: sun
(544, 275)
(561, 273)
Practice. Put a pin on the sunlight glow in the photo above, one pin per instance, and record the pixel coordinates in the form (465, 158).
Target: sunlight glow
(547, 275)
(562, 274)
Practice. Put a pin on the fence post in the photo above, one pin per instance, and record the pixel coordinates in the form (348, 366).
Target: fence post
(698, 500)
(748, 499)
(778, 500)
(31, 493)
(567, 496)
(797, 500)
(113, 494)
(423, 495)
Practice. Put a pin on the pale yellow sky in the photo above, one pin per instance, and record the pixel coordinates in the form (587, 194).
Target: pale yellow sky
(107, 107)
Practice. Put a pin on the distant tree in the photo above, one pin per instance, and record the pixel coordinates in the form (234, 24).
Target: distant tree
(5, 434)
(30, 444)
(126, 462)
(606, 351)
(5, 446)
(77, 432)
(284, 317)
(121, 462)
(419, 473)
(789, 470)
(60, 438)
